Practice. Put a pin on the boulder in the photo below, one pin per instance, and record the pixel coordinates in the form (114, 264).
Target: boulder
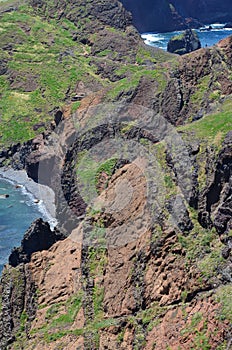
(38, 237)
(186, 42)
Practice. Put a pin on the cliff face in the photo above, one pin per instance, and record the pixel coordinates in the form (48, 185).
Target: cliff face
(163, 16)
(208, 11)
(152, 15)
(138, 153)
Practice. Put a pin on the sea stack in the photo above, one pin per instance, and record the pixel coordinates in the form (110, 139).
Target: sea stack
(186, 42)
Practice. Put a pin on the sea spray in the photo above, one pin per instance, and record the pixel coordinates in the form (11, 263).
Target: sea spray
(22, 206)
(207, 37)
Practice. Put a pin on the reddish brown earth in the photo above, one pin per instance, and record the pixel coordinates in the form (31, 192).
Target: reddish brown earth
(138, 278)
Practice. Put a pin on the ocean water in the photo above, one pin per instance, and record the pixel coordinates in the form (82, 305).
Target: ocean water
(207, 38)
(17, 212)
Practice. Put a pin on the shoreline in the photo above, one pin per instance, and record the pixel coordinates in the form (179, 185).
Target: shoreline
(41, 195)
(160, 39)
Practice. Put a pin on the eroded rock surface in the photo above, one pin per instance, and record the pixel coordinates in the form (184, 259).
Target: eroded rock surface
(135, 272)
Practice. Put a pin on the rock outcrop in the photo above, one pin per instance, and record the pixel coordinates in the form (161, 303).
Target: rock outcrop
(38, 237)
(102, 13)
(184, 43)
(194, 89)
(217, 199)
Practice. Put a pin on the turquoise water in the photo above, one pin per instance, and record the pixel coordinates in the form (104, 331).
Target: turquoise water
(16, 214)
(207, 38)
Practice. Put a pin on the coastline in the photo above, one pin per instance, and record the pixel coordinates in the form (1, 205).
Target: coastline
(39, 194)
(207, 37)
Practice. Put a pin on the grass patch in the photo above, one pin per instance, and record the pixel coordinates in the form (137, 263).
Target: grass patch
(107, 167)
(200, 339)
(86, 169)
(134, 73)
(59, 318)
(75, 106)
(210, 264)
(212, 128)
(97, 260)
(104, 53)
(72, 307)
(46, 60)
(224, 296)
(122, 86)
(151, 317)
(201, 91)
(202, 247)
(88, 172)
(98, 296)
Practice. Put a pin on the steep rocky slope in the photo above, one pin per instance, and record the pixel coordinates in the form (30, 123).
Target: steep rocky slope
(163, 16)
(136, 144)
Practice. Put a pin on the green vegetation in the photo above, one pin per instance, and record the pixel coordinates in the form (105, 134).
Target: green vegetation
(145, 53)
(178, 37)
(59, 317)
(89, 172)
(170, 187)
(210, 132)
(104, 53)
(98, 296)
(151, 316)
(86, 169)
(23, 321)
(212, 261)
(200, 338)
(124, 85)
(211, 128)
(107, 167)
(202, 90)
(142, 322)
(215, 95)
(224, 296)
(98, 232)
(134, 73)
(97, 260)
(72, 308)
(202, 247)
(44, 65)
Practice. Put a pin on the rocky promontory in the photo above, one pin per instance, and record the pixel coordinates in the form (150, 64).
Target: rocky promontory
(184, 43)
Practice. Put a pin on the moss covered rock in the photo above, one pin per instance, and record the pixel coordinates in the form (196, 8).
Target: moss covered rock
(186, 42)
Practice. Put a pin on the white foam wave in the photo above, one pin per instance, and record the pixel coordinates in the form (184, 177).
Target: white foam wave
(33, 192)
(153, 37)
(221, 29)
(42, 208)
(207, 36)
(217, 25)
(39, 205)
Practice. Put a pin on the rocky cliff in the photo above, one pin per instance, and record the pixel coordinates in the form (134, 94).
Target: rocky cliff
(164, 16)
(184, 43)
(136, 144)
